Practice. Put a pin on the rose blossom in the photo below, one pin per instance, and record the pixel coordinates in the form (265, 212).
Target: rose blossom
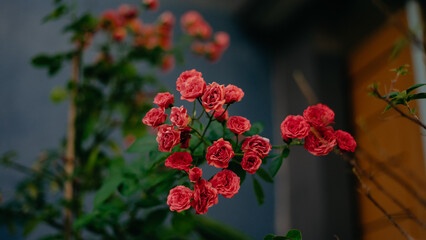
(150, 4)
(119, 34)
(179, 117)
(167, 138)
(319, 115)
(226, 182)
(195, 174)
(179, 198)
(233, 94)
(164, 100)
(257, 144)
(320, 141)
(111, 19)
(294, 127)
(191, 85)
(213, 97)
(219, 153)
(345, 141)
(251, 162)
(167, 63)
(185, 136)
(221, 39)
(220, 116)
(179, 160)
(205, 196)
(154, 117)
(127, 11)
(238, 125)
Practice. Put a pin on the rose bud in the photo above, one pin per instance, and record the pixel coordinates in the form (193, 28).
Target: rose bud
(205, 196)
(319, 115)
(154, 117)
(257, 144)
(221, 39)
(214, 97)
(127, 11)
(185, 136)
(226, 182)
(119, 34)
(220, 153)
(294, 127)
(179, 198)
(150, 4)
(164, 100)
(220, 115)
(179, 117)
(320, 141)
(238, 125)
(195, 174)
(251, 162)
(345, 141)
(167, 138)
(179, 160)
(233, 94)
(191, 85)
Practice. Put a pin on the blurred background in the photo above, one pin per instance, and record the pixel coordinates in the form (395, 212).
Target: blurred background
(337, 47)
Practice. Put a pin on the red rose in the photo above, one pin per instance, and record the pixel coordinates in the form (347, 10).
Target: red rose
(345, 141)
(127, 11)
(166, 22)
(221, 39)
(319, 115)
(110, 20)
(185, 136)
(179, 117)
(257, 144)
(220, 115)
(205, 196)
(167, 138)
(179, 198)
(189, 18)
(195, 174)
(214, 97)
(179, 160)
(164, 100)
(154, 117)
(320, 141)
(219, 153)
(226, 182)
(167, 63)
(191, 85)
(294, 127)
(251, 162)
(119, 34)
(233, 94)
(238, 125)
(151, 4)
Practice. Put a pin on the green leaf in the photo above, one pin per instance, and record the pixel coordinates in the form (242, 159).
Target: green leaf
(57, 13)
(274, 237)
(183, 222)
(416, 96)
(260, 196)
(285, 152)
(294, 234)
(52, 63)
(256, 128)
(107, 189)
(401, 70)
(58, 94)
(414, 87)
(30, 226)
(144, 144)
(236, 168)
(275, 165)
(156, 218)
(264, 175)
(84, 220)
(397, 47)
(213, 230)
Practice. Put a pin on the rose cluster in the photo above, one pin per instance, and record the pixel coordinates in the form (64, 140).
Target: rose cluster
(313, 127)
(215, 100)
(195, 26)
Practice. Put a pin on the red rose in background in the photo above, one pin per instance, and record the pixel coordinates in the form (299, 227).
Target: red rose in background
(214, 97)
(294, 127)
(167, 63)
(167, 138)
(345, 141)
(127, 12)
(195, 174)
(219, 153)
(220, 115)
(185, 136)
(179, 117)
(151, 4)
(233, 94)
(257, 144)
(119, 34)
(226, 182)
(179, 198)
(320, 141)
(154, 117)
(238, 125)
(193, 24)
(205, 196)
(251, 162)
(164, 100)
(110, 20)
(191, 85)
(319, 115)
(221, 39)
(179, 160)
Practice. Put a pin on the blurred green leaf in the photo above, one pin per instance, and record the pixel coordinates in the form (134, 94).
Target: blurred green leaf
(258, 190)
(236, 168)
(58, 94)
(264, 175)
(416, 96)
(30, 226)
(107, 189)
(397, 48)
(58, 12)
(414, 87)
(401, 70)
(84, 220)
(52, 63)
(294, 234)
(275, 165)
(144, 144)
(256, 128)
(183, 222)
(213, 230)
